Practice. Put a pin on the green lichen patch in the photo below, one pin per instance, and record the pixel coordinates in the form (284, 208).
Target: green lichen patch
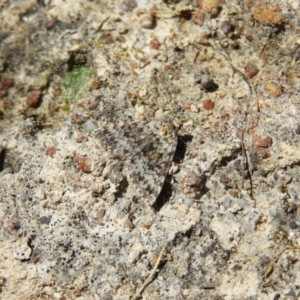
(76, 82)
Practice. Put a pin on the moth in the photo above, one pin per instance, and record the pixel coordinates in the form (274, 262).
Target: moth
(146, 150)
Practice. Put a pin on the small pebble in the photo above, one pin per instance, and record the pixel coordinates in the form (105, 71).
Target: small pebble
(127, 5)
(225, 116)
(251, 70)
(293, 225)
(225, 179)
(90, 125)
(34, 98)
(273, 89)
(207, 82)
(259, 141)
(146, 224)
(35, 255)
(154, 44)
(93, 102)
(52, 24)
(80, 138)
(3, 93)
(7, 83)
(199, 17)
(96, 84)
(2, 280)
(13, 224)
(45, 220)
(83, 163)
(249, 35)
(191, 184)
(128, 224)
(208, 104)
(227, 202)
(50, 151)
(226, 27)
(187, 105)
(78, 119)
(146, 21)
(198, 75)
(208, 286)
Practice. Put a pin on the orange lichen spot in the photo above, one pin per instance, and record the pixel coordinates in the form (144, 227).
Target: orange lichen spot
(273, 89)
(267, 15)
(208, 5)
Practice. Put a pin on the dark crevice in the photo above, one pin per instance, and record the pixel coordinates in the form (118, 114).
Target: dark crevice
(2, 159)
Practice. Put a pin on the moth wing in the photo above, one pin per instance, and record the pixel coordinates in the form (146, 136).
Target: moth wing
(146, 149)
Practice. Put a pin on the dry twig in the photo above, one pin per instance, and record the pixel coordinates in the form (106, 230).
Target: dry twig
(146, 282)
(244, 158)
(234, 68)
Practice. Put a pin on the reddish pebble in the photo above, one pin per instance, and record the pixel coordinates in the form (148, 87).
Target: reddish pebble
(249, 35)
(208, 104)
(83, 163)
(225, 116)
(96, 84)
(34, 98)
(259, 141)
(52, 24)
(187, 105)
(94, 101)
(80, 138)
(199, 17)
(6, 104)
(191, 184)
(251, 70)
(132, 95)
(107, 38)
(7, 83)
(154, 44)
(50, 151)
(2, 280)
(3, 93)
(78, 119)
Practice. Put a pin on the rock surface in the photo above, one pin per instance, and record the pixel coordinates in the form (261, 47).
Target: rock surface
(225, 74)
